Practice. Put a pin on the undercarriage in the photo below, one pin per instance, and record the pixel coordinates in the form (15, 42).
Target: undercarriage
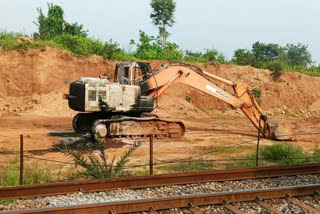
(121, 126)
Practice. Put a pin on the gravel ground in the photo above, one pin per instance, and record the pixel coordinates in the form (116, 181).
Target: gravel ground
(285, 206)
(129, 194)
(311, 201)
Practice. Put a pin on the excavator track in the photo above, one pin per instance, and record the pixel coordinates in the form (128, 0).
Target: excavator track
(136, 127)
(82, 122)
(119, 126)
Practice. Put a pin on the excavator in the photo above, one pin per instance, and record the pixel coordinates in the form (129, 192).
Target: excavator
(122, 108)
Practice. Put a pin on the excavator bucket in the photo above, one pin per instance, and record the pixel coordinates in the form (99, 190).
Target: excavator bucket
(281, 131)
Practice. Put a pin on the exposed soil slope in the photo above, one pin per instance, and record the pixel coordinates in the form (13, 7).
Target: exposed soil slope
(32, 81)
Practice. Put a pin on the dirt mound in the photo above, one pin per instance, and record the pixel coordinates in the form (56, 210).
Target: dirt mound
(32, 81)
(25, 73)
(292, 89)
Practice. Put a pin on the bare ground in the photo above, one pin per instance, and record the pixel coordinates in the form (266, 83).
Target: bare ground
(43, 135)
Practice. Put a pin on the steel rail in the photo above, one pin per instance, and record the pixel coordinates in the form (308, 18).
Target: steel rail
(155, 180)
(179, 201)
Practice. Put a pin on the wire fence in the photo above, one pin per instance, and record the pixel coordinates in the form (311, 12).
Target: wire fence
(196, 158)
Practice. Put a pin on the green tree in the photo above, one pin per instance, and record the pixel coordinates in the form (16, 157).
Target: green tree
(149, 48)
(214, 55)
(162, 15)
(266, 52)
(110, 48)
(298, 55)
(245, 57)
(54, 24)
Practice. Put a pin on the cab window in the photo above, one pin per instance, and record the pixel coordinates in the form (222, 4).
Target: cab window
(92, 95)
(102, 94)
(138, 76)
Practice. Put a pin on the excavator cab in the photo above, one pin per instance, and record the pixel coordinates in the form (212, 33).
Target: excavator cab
(131, 73)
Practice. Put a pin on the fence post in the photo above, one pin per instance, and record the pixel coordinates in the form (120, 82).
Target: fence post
(257, 155)
(21, 160)
(151, 156)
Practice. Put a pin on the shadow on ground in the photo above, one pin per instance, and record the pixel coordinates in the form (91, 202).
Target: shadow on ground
(83, 142)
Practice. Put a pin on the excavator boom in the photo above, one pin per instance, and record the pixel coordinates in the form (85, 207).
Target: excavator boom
(240, 97)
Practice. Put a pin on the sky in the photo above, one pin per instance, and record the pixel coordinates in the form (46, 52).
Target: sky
(203, 24)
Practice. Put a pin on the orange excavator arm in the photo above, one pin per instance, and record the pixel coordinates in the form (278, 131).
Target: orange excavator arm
(193, 76)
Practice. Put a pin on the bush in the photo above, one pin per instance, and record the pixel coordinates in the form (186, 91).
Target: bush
(4, 35)
(259, 102)
(110, 49)
(208, 56)
(188, 98)
(97, 167)
(54, 24)
(311, 71)
(284, 153)
(8, 40)
(256, 92)
(276, 68)
(245, 57)
(213, 55)
(80, 45)
(9, 44)
(316, 155)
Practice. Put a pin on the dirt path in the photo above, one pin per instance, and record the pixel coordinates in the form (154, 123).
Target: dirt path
(43, 135)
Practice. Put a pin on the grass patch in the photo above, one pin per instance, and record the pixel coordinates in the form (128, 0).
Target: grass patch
(192, 166)
(289, 114)
(247, 162)
(191, 118)
(35, 174)
(221, 150)
(141, 172)
(316, 155)
(311, 71)
(208, 111)
(277, 154)
(74, 44)
(221, 116)
(284, 153)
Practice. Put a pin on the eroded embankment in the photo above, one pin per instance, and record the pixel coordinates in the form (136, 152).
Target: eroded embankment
(32, 81)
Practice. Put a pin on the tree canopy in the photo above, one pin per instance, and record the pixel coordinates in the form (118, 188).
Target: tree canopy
(266, 52)
(262, 54)
(298, 54)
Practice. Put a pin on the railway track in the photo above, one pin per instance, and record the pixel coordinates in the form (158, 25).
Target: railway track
(230, 201)
(155, 180)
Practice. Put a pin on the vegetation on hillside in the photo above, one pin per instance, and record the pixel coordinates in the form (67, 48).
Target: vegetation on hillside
(55, 31)
(54, 24)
